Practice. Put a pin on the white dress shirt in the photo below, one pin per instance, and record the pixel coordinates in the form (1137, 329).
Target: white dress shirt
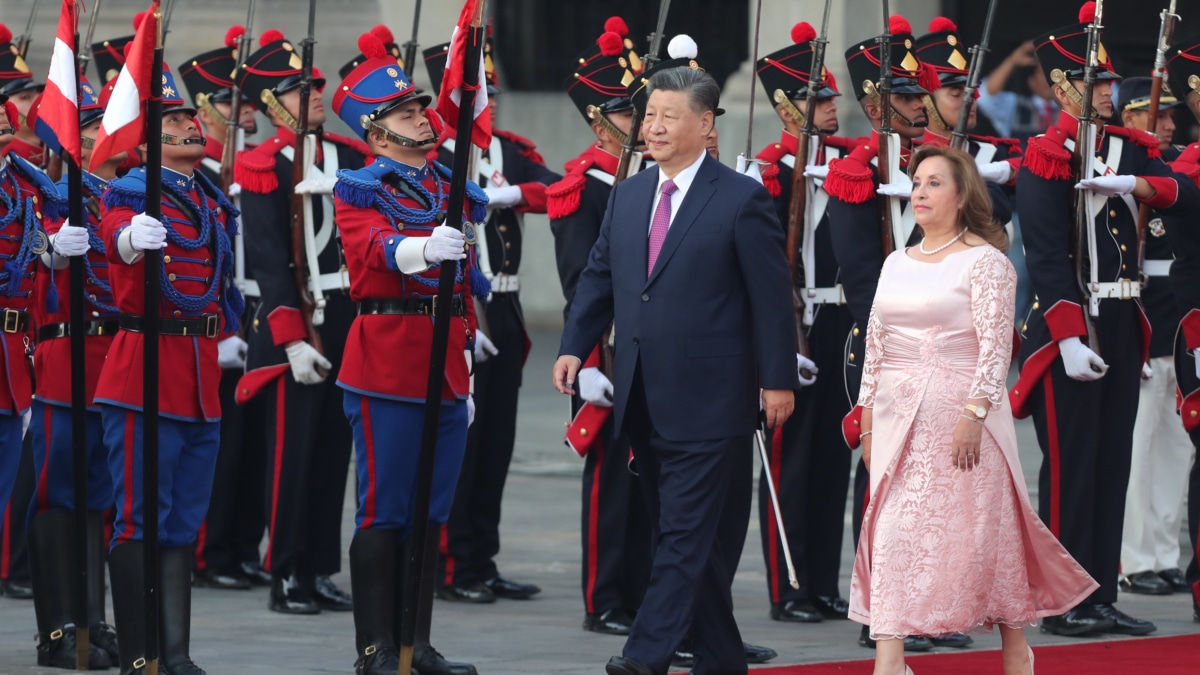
(683, 181)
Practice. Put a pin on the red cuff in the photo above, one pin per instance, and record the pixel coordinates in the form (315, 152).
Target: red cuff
(286, 325)
(1191, 329)
(852, 427)
(1166, 191)
(535, 198)
(584, 430)
(1065, 319)
(1015, 163)
(1189, 411)
(593, 360)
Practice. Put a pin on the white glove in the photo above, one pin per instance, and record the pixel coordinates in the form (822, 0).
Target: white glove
(146, 233)
(235, 189)
(503, 197)
(749, 167)
(1196, 360)
(70, 240)
(316, 186)
(818, 171)
(804, 363)
(445, 243)
(484, 349)
(1109, 186)
(1147, 371)
(231, 353)
(470, 410)
(595, 388)
(1080, 362)
(995, 172)
(900, 187)
(305, 360)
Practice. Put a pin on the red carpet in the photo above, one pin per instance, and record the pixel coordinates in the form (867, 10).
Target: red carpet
(1157, 656)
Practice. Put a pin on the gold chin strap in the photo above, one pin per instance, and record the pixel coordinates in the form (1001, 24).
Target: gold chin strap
(873, 94)
(781, 99)
(273, 104)
(1060, 80)
(378, 131)
(204, 102)
(87, 143)
(598, 117)
(935, 115)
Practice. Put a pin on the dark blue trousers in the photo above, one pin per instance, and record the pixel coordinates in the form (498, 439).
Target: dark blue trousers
(10, 453)
(54, 460)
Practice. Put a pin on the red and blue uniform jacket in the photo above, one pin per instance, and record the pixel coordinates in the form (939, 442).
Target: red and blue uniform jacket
(1184, 236)
(378, 207)
(197, 283)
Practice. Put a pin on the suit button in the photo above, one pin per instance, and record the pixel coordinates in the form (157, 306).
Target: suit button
(1124, 247)
(636, 341)
(645, 297)
(508, 244)
(504, 228)
(1116, 231)
(852, 357)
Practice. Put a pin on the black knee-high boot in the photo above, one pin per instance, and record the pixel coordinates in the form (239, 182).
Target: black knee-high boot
(175, 612)
(100, 633)
(56, 591)
(126, 565)
(426, 659)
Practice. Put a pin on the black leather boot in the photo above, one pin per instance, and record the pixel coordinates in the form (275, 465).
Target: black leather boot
(426, 659)
(373, 567)
(175, 612)
(56, 592)
(100, 632)
(127, 568)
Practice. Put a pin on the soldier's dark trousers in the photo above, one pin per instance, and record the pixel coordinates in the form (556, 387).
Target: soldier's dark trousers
(1185, 374)
(472, 535)
(1085, 430)
(14, 549)
(308, 445)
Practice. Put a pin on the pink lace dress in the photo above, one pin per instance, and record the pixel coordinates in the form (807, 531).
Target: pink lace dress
(944, 550)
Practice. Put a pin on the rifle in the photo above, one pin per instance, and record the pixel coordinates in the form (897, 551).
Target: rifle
(1166, 30)
(27, 37)
(85, 47)
(410, 47)
(1083, 235)
(635, 127)
(166, 26)
(886, 217)
(958, 138)
(234, 138)
(303, 156)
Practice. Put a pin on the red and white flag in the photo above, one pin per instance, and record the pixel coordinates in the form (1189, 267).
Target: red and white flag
(124, 125)
(60, 103)
(450, 97)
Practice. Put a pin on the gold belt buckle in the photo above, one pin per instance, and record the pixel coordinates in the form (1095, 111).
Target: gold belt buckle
(433, 306)
(12, 321)
(211, 326)
(1126, 289)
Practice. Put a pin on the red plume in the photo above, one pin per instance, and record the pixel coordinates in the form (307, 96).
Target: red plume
(1087, 13)
(14, 115)
(138, 18)
(616, 24)
(5, 34)
(270, 37)
(942, 24)
(831, 81)
(371, 46)
(899, 25)
(235, 33)
(803, 33)
(384, 34)
(928, 78)
(611, 44)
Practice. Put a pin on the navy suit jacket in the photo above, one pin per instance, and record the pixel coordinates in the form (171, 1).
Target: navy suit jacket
(711, 324)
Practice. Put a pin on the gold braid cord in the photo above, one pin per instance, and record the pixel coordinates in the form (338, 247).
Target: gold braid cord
(273, 104)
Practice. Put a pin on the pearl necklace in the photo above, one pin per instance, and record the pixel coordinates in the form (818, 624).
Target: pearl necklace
(943, 247)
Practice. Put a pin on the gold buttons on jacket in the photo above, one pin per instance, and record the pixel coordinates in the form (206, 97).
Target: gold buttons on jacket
(1112, 213)
(851, 356)
(1124, 247)
(166, 259)
(1116, 231)
(855, 332)
(171, 276)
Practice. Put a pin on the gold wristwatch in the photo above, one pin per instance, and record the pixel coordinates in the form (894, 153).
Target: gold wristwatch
(978, 411)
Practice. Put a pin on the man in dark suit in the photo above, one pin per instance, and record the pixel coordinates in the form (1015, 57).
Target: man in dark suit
(690, 264)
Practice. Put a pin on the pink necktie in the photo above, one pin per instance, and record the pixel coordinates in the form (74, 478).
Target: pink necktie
(658, 227)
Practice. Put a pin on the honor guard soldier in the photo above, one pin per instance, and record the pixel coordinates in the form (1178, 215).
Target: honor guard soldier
(308, 440)
(807, 463)
(16, 82)
(198, 302)
(227, 553)
(615, 535)
(1162, 451)
(390, 214)
(514, 177)
(1084, 397)
(52, 528)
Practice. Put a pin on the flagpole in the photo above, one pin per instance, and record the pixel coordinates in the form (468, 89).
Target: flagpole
(419, 576)
(152, 269)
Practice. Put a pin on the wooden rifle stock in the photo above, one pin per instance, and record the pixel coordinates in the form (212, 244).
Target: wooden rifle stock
(797, 208)
(1083, 157)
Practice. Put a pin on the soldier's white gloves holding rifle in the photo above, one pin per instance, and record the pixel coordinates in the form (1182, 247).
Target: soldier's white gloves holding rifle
(1080, 362)
(305, 360)
(484, 349)
(70, 241)
(818, 171)
(445, 243)
(316, 186)
(803, 363)
(900, 187)
(146, 233)
(995, 172)
(1109, 186)
(595, 388)
(231, 353)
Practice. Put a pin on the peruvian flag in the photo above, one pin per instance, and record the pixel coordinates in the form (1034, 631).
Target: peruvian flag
(450, 96)
(124, 125)
(58, 113)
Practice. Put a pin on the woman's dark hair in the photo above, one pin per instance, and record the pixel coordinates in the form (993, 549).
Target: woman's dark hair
(975, 204)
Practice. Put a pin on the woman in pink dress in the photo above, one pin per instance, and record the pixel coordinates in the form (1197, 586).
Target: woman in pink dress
(949, 541)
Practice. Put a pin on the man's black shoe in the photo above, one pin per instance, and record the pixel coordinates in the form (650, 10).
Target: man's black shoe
(255, 573)
(832, 606)
(1196, 614)
(1078, 621)
(757, 654)
(187, 667)
(1175, 579)
(505, 588)
(611, 622)
(955, 640)
(329, 596)
(214, 579)
(429, 661)
(619, 665)
(1145, 583)
(16, 590)
(290, 596)
(1122, 623)
(912, 643)
(473, 592)
(800, 611)
(104, 637)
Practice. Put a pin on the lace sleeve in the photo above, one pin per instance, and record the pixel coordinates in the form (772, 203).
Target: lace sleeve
(993, 303)
(872, 361)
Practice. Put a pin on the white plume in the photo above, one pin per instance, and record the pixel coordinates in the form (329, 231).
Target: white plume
(682, 46)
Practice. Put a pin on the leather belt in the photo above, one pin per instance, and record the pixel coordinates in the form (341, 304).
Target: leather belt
(413, 306)
(825, 296)
(329, 282)
(1125, 289)
(1157, 268)
(15, 321)
(202, 326)
(505, 283)
(63, 329)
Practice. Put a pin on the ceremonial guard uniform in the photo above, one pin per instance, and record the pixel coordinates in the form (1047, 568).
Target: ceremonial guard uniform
(515, 178)
(390, 213)
(227, 552)
(52, 527)
(308, 440)
(198, 301)
(808, 464)
(615, 535)
(17, 83)
(1084, 407)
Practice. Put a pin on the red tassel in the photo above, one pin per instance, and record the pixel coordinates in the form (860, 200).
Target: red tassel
(564, 197)
(255, 172)
(1048, 160)
(770, 176)
(849, 181)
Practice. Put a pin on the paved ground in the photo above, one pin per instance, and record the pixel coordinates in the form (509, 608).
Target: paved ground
(234, 633)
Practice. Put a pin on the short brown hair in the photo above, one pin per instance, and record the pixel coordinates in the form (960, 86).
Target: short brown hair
(975, 204)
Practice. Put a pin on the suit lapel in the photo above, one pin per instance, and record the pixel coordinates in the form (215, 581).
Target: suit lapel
(698, 195)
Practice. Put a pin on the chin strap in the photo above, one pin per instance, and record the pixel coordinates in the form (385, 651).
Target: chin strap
(8, 131)
(935, 115)
(168, 139)
(288, 119)
(597, 116)
(382, 133)
(873, 93)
